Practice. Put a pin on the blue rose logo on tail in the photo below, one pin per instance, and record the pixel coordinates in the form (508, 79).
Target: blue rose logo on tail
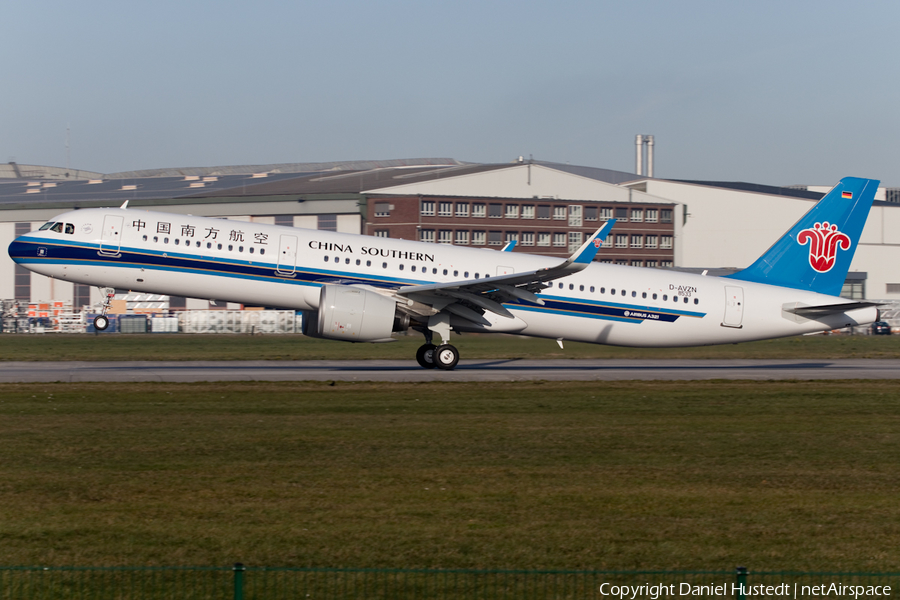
(824, 240)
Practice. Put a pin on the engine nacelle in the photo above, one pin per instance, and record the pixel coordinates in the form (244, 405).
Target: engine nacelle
(353, 314)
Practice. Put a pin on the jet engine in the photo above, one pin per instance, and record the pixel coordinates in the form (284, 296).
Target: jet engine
(354, 314)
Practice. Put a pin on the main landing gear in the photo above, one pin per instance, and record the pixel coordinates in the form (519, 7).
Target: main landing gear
(445, 356)
(101, 321)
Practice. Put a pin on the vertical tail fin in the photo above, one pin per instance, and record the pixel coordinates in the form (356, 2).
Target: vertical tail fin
(815, 254)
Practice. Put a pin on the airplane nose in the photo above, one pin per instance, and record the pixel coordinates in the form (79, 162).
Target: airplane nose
(20, 250)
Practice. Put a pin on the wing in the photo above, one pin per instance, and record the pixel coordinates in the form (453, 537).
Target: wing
(470, 298)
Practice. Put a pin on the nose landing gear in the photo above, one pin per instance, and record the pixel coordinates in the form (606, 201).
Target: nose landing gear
(101, 321)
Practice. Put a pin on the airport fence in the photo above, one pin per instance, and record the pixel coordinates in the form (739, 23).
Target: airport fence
(265, 583)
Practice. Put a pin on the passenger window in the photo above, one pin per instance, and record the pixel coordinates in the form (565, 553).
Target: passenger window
(326, 259)
(155, 238)
(176, 241)
(592, 289)
(560, 285)
(466, 274)
(613, 291)
(384, 265)
(654, 296)
(634, 294)
(623, 292)
(347, 261)
(198, 243)
(571, 286)
(434, 271)
(602, 290)
(456, 273)
(209, 245)
(644, 295)
(358, 262)
(251, 249)
(445, 271)
(165, 240)
(580, 288)
(230, 248)
(401, 266)
(262, 250)
(70, 229)
(413, 268)
(368, 263)
(476, 275)
(696, 300)
(145, 238)
(219, 246)
(337, 260)
(685, 300)
(665, 297)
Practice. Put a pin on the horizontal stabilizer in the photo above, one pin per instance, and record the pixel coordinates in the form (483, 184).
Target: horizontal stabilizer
(822, 310)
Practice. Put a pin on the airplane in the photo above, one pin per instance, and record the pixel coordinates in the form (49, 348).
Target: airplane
(363, 289)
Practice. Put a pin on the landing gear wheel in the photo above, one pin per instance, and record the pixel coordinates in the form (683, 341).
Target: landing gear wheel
(446, 357)
(101, 322)
(425, 356)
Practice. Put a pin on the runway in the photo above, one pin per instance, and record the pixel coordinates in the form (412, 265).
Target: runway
(467, 370)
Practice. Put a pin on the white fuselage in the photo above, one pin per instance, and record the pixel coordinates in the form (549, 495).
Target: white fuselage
(257, 264)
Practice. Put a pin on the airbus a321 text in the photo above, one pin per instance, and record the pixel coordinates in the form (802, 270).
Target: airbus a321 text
(362, 289)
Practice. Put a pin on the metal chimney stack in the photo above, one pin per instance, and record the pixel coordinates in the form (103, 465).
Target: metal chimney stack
(640, 141)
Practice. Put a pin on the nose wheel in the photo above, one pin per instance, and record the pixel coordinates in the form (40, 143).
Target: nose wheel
(101, 321)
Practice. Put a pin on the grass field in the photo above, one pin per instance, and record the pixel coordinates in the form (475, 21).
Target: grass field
(659, 475)
(297, 347)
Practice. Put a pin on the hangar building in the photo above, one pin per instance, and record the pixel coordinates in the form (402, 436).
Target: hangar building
(547, 208)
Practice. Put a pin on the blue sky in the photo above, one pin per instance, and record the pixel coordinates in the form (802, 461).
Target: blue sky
(767, 92)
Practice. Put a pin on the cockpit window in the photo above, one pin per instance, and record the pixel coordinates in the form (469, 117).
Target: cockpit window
(47, 226)
(70, 229)
(57, 227)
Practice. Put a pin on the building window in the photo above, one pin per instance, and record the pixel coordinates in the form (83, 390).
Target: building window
(327, 223)
(575, 219)
(607, 242)
(666, 264)
(479, 238)
(528, 239)
(462, 238)
(637, 215)
(637, 263)
(22, 275)
(462, 209)
(575, 240)
(854, 290)
(637, 241)
(445, 209)
(665, 215)
(621, 241)
(543, 211)
(284, 220)
(651, 264)
(512, 211)
(560, 213)
(892, 288)
(427, 208)
(479, 211)
(651, 241)
(382, 233)
(445, 236)
(590, 213)
(495, 238)
(652, 215)
(528, 211)
(606, 214)
(382, 209)
(621, 213)
(426, 235)
(82, 296)
(512, 236)
(495, 211)
(665, 242)
(543, 239)
(559, 240)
